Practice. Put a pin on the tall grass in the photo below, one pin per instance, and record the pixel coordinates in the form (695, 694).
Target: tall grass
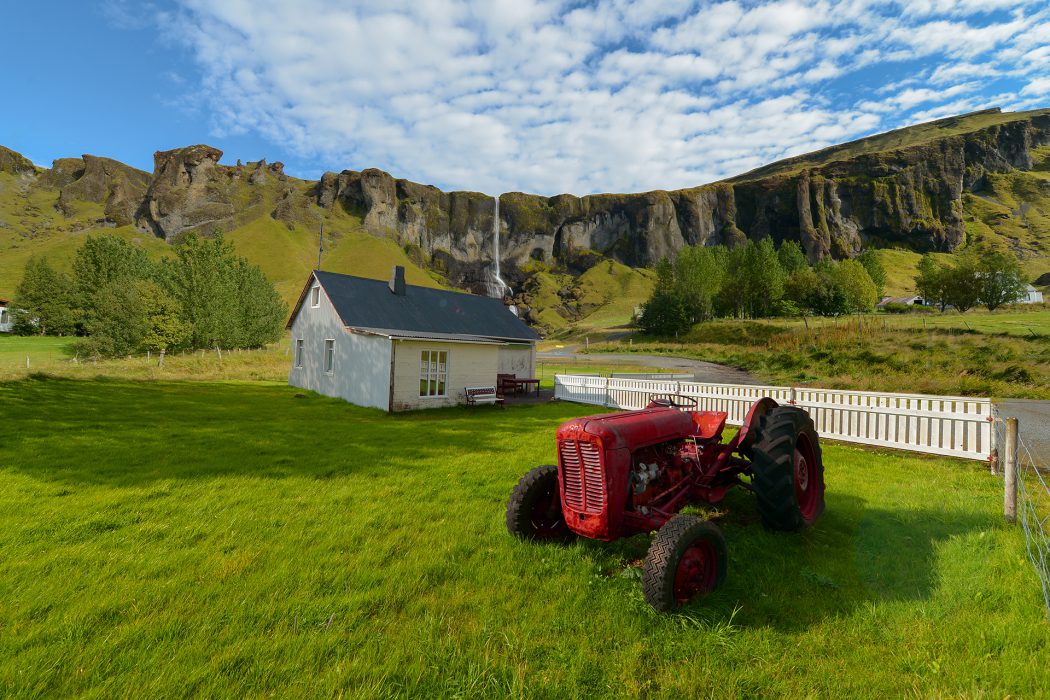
(868, 353)
(232, 539)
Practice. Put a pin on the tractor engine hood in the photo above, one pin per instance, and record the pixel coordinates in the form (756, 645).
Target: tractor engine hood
(632, 429)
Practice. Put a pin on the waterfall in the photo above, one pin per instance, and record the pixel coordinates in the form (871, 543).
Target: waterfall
(498, 288)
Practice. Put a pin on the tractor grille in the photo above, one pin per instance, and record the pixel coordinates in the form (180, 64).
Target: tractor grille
(584, 483)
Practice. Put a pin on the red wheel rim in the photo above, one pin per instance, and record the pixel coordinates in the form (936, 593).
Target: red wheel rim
(547, 517)
(807, 486)
(696, 573)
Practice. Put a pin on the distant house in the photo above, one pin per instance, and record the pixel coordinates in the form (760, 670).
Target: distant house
(397, 346)
(900, 301)
(6, 322)
(1032, 295)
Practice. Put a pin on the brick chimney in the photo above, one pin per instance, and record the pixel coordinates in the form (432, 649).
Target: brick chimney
(397, 281)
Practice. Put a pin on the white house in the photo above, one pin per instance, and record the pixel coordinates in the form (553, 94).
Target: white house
(1032, 295)
(397, 346)
(902, 301)
(6, 322)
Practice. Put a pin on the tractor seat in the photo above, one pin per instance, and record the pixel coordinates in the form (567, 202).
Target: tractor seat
(709, 424)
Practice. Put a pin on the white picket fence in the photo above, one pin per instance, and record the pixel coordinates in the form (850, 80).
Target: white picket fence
(943, 425)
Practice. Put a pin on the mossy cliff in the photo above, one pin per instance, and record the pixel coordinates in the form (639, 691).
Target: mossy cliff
(930, 187)
(910, 196)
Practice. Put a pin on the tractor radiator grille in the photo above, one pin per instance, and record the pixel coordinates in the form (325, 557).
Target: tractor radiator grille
(584, 483)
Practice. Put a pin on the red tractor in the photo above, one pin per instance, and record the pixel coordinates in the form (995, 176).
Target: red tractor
(622, 474)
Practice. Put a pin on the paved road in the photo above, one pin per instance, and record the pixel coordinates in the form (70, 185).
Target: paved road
(1033, 415)
(1033, 424)
(702, 371)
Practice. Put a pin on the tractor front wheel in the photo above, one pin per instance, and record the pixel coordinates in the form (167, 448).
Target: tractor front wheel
(534, 511)
(686, 559)
(788, 470)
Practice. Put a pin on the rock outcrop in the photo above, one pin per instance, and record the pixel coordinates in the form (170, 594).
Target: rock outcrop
(188, 192)
(15, 163)
(119, 187)
(835, 202)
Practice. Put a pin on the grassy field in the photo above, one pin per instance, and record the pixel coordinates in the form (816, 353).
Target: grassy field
(993, 355)
(230, 539)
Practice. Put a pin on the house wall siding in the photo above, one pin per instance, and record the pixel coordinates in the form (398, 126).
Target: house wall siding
(468, 365)
(519, 359)
(361, 367)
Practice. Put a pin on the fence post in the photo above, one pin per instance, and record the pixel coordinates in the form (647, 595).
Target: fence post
(1010, 472)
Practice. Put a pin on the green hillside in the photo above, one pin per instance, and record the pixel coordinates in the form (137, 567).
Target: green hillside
(273, 220)
(906, 137)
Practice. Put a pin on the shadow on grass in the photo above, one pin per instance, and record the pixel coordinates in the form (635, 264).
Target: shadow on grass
(127, 433)
(854, 556)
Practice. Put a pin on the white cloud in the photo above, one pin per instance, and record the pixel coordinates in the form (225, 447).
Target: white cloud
(549, 96)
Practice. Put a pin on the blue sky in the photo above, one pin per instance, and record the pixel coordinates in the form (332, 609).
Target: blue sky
(542, 96)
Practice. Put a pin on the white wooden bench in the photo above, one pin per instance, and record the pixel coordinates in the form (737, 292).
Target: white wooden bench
(482, 394)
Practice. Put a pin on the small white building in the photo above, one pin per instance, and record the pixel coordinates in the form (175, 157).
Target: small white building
(6, 322)
(397, 346)
(1032, 295)
(900, 301)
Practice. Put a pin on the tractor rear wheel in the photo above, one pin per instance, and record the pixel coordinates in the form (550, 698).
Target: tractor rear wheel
(788, 470)
(686, 559)
(534, 511)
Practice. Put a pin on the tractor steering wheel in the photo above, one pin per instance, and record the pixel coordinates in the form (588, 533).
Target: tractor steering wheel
(677, 401)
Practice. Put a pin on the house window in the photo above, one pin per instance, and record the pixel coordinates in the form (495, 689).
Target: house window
(298, 352)
(433, 372)
(4, 316)
(329, 355)
(315, 297)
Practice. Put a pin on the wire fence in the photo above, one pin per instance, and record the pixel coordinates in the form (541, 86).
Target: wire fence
(1033, 510)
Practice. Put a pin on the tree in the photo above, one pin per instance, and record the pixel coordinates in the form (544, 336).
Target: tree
(962, 282)
(799, 288)
(1000, 280)
(698, 274)
(828, 297)
(107, 260)
(261, 310)
(931, 282)
(227, 301)
(117, 323)
(665, 313)
(856, 285)
(792, 257)
(44, 299)
(164, 327)
(754, 280)
(872, 263)
(203, 281)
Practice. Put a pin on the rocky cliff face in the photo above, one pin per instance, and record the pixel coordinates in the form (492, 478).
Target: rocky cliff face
(835, 202)
(911, 196)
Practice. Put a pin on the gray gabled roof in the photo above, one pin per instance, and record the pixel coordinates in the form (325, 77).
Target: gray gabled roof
(369, 305)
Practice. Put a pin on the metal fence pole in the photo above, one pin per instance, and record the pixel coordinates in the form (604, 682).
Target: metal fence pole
(1010, 472)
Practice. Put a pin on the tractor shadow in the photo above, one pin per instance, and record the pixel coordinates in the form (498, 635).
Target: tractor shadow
(853, 557)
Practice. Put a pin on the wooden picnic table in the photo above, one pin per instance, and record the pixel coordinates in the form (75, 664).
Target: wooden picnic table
(520, 384)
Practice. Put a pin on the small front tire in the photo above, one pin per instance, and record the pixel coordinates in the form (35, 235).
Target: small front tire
(534, 511)
(687, 559)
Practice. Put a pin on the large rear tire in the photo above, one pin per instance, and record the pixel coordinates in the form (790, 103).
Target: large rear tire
(788, 470)
(534, 511)
(687, 559)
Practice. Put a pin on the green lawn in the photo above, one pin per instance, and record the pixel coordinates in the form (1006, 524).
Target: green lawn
(43, 352)
(174, 538)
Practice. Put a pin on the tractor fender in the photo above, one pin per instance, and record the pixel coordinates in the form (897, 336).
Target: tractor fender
(746, 437)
